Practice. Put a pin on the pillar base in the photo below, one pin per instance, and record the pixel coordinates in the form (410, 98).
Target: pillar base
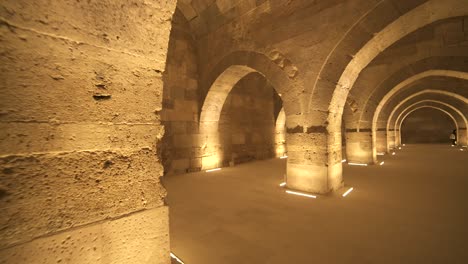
(312, 178)
(359, 147)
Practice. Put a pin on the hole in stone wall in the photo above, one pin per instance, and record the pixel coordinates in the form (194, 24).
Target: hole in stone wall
(100, 97)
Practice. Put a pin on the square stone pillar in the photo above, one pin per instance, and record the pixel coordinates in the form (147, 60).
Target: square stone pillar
(391, 140)
(314, 162)
(381, 140)
(359, 146)
(462, 137)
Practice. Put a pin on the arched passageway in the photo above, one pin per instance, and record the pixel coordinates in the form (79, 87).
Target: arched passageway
(111, 111)
(427, 125)
(457, 116)
(216, 151)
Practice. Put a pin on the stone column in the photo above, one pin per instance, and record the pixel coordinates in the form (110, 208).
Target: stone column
(462, 137)
(391, 138)
(381, 140)
(312, 165)
(359, 146)
(79, 127)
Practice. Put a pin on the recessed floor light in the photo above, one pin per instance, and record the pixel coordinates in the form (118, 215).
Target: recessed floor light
(217, 169)
(301, 194)
(348, 191)
(343, 161)
(393, 153)
(382, 163)
(282, 184)
(357, 164)
(176, 258)
(283, 157)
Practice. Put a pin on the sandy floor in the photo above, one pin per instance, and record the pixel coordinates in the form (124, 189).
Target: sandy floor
(413, 209)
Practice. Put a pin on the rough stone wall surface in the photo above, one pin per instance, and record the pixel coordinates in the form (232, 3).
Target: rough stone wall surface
(181, 101)
(247, 124)
(427, 126)
(80, 97)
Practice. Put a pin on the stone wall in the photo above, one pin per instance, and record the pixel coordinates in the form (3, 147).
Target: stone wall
(247, 123)
(181, 101)
(80, 95)
(427, 125)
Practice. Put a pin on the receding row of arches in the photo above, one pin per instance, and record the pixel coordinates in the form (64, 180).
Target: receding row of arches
(363, 99)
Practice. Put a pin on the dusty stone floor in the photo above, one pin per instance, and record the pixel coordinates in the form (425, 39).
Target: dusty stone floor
(413, 209)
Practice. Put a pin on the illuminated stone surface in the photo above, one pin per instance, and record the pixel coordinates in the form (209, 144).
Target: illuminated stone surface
(100, 99)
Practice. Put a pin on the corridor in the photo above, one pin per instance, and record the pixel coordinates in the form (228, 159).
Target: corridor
(412, 210)
(112, 112)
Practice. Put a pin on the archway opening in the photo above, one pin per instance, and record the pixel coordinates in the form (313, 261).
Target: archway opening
(427, 126)
(250, 122)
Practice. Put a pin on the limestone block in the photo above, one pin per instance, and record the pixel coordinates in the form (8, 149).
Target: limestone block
(47, 193)
(141, 237)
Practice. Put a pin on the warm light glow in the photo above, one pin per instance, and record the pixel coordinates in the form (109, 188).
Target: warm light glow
(357, 164)
(380, 153)
(453, 145)
(283, 184)
(284, 157)
(462, 149)
(176, 258)
(348, 191)
(393, 153)
(399, 147)
(301, 194)
(217, 169)
(382, 163)
(210, 161)
(343, 161)
(404, 145)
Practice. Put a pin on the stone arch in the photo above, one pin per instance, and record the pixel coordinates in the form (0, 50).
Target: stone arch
(222, 79)
(396, 123)
(329, 94)
(180, 89)
(420, 16)
(430, 47)
(407, 82)
(383, 132)
(426, 68)
(459, 124)
(424, 92)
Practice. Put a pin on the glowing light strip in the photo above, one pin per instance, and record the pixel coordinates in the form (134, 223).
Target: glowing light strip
(404, 145)
(283, 157)
(217, 169)
(301, 194)
(343, 161)
(357, 164)
(283, 184)
(176, 258)
(382, 163)
(380, 153)
(348, 191)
